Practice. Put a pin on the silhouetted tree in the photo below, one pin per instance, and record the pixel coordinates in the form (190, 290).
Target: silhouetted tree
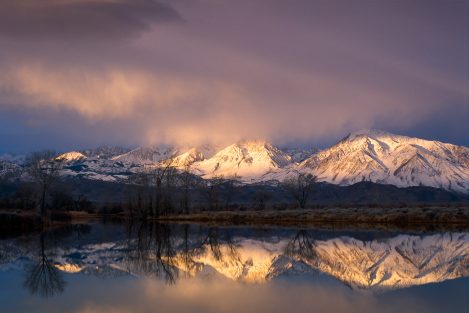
(301, 247)
(187, 182)
(229, 187)
(43, 278)
(44, 169)
(211, 192)
(141, 195)
(300, 187)
(152, 252)
(163, 178)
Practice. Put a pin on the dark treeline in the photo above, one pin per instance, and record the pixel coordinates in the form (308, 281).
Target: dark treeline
(39, 186)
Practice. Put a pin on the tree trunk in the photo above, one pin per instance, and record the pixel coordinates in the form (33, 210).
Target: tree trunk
(43, 202)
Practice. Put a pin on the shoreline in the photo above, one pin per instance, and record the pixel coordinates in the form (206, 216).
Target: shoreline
(427, 218)
(332, 218)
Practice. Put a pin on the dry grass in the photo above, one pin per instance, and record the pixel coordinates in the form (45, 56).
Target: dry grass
(386, 218)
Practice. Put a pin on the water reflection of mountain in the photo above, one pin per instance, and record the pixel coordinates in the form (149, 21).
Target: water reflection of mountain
(166, 252)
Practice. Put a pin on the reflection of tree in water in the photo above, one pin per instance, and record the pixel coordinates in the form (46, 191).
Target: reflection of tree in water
(157, 251)
(213, 241)
(42, 278)
(188, 253)
(152, 251)
(301, 247)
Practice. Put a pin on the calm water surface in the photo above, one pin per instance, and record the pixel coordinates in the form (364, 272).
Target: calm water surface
(181, 268)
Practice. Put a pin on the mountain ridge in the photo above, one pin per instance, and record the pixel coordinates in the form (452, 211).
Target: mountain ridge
(364, 155)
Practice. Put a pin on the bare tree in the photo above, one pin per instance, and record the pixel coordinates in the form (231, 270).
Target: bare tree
(302, 247)
(152, 252)
(186, 181)
(300, 187)
(211, 191)
(140, 195)
(230, 187)
(43, 278)
(169, 186)
(163, 177)
(44, 169)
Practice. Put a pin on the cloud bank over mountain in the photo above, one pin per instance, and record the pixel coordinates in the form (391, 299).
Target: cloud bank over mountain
(140, 72)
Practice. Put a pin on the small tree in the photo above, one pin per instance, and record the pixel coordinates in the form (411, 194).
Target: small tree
(43, 278)
(187, 181)
(140, 195)
(163, 178)
(44, 170)
(300, 187)
(230, 187)
(211, 192)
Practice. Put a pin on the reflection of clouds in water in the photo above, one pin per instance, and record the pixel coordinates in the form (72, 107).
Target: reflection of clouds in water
(220, 295)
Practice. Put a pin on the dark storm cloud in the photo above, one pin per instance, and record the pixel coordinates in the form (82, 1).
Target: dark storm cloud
(80, 19)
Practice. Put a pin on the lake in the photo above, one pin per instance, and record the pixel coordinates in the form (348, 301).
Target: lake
(149, 267)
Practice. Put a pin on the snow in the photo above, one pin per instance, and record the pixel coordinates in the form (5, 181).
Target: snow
(12, 158)
(147, 155)
(364, 155)
(246, 160)
(299, 155)
(104, 152)
(71, 156)
(380, 157)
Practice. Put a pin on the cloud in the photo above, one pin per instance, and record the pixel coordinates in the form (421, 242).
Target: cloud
(72, 20)
(179, 107)
(308, 72)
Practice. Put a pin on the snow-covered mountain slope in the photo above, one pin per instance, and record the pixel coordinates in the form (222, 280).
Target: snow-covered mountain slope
(100, 169)
(104, 152)
(381, 157)
(247, 160)
(13, 158)
(366, 155)
(190, 155)
(299, 155)
(178, 156)
(147, 155)
(9, 169)
(71, 156)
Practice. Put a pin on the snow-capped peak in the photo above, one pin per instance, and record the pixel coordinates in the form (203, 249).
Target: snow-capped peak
(71, 156)
(372, 133)
(364, 155)
(247, 159)
(381, 157)
(147, 155)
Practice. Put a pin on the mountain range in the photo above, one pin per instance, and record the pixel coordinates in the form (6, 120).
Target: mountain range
(365, 155)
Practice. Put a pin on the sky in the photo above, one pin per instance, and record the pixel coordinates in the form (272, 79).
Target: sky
(81, 73)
